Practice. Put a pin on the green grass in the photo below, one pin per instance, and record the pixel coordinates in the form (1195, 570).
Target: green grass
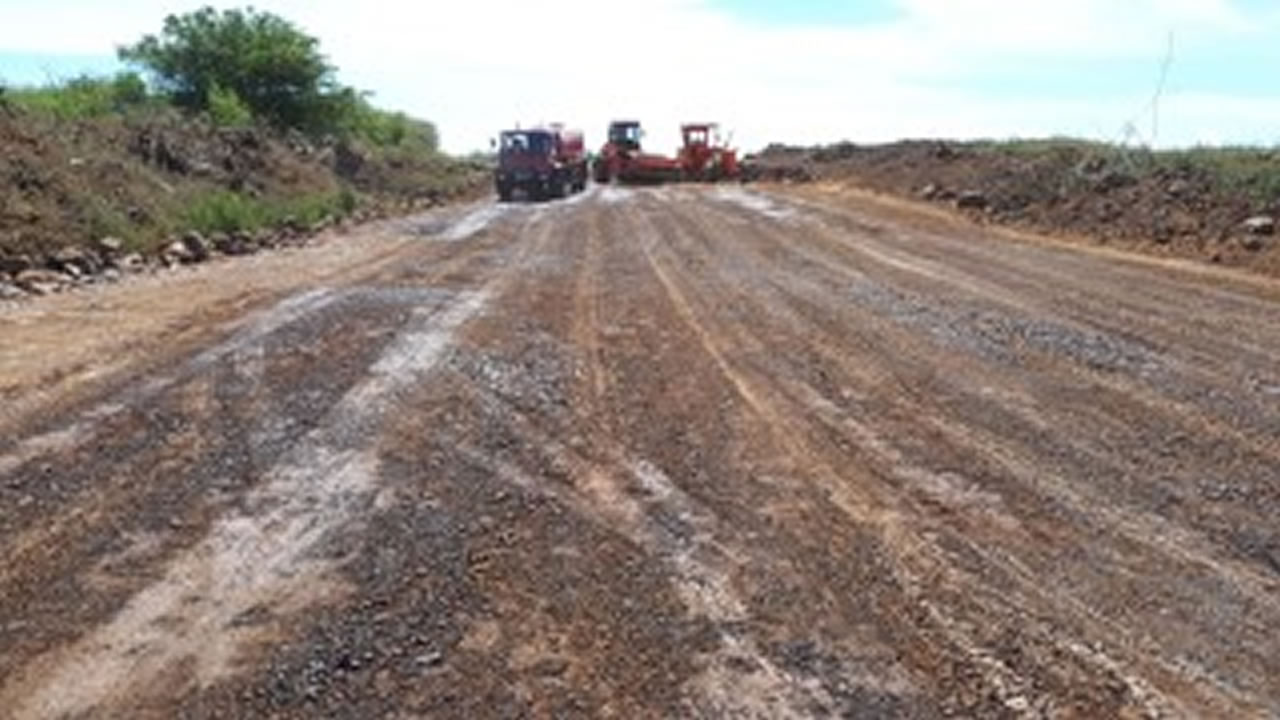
(84, 97)
(1038, 146)
(225, 211)
(107, 221)
(1251, 171)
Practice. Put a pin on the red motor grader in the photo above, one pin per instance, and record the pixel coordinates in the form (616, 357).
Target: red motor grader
(703, 157)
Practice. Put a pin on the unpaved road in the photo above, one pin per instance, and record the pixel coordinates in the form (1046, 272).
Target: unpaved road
(678, 452)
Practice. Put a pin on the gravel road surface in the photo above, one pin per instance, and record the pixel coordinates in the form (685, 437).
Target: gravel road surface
(680, 452)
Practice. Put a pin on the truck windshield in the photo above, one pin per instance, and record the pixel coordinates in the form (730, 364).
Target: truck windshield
(526, 143)
(625, 134)
(695, 136)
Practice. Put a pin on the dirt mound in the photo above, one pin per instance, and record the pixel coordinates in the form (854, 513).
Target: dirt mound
(1172, 204)
(69, 184)
(141, 181)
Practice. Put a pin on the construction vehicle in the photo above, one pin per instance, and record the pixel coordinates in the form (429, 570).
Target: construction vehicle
(622, 159)
(545, 162)
(703, 156)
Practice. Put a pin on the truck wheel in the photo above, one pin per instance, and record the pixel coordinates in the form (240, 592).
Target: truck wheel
(504, 193)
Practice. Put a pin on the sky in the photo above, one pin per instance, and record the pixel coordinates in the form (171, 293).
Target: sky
(794, 71)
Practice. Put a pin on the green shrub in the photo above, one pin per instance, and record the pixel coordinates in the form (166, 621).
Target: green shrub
(228, 212)
(226, 109)
(347, 201)
(391, 129)
(128, 89)
(105, 220)
(309, 209)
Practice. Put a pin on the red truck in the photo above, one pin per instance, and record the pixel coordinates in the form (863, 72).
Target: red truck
(548, 162)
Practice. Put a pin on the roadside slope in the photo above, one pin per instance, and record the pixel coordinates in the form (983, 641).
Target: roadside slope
(1215, 205)
(86, 200)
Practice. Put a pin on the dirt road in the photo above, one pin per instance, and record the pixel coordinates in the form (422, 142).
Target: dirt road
(677, 452)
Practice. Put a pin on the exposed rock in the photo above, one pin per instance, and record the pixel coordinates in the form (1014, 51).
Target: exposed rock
(153, 145)
(972, 200)
(1260, 225)
(14, 264)
(930, 192)
(348, 160)
(1112, 180)
(1254, 242)
(198, 249)
(132, 262)
(430, 659)
(237, 243)
(76, 261)
(177, 253)
(110, 246)
(1178, 188)
(204, 169)
(265, 238)
(9, 291)
(42, 282)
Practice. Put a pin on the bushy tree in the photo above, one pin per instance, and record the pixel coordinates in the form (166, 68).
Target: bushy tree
(263, 60)
(240, 65)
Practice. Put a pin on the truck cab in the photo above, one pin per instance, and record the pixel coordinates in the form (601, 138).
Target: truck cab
(704, 155)
(622, 142)
(542, 162)
(625, 135)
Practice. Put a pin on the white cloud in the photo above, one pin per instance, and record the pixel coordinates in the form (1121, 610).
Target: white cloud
(1094, 28)
(477, 65)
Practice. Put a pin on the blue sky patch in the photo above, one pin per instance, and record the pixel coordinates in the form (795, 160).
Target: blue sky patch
(25, 68)
(810, 12)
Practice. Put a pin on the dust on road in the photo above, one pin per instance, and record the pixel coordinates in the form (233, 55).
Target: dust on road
(676, 452)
